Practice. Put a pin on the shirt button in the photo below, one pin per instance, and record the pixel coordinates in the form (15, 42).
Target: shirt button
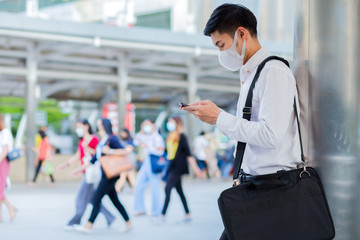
(242, 82)
(248, 71)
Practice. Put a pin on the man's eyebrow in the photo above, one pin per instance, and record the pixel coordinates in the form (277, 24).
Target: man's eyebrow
(217, 43)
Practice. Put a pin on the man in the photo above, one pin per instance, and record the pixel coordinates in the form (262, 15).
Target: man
(271, 134)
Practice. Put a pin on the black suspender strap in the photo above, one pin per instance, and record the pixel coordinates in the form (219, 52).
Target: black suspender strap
(240, 148)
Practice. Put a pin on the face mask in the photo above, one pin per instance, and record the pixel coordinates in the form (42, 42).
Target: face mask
(79, 132)
(147, 129)
(171, 126)
(230, 58)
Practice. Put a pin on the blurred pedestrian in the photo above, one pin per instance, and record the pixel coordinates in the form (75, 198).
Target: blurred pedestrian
(127, 140)
(6, 145)
(178, 153)
(38, 137)
(201, 152)
(214, 145)
(228, 160)
(151, 141)
(109, 145)
(86, 150)
(44, 154)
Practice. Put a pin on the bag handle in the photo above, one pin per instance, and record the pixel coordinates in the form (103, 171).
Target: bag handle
(240, 148)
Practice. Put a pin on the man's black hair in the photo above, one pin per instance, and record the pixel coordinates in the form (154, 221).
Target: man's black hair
(228, 17)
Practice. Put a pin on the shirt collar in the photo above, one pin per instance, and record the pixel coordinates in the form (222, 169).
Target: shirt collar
(254, 61)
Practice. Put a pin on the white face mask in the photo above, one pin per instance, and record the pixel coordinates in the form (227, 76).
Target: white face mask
(230, 58)
(79, 132)
(147, 129)
(171, 126)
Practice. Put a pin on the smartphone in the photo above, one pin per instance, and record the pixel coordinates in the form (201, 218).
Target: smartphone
(181, 104)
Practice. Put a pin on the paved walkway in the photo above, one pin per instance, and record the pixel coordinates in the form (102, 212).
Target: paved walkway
(44, 210)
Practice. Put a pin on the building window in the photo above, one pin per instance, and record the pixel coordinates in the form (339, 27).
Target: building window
(155, 20)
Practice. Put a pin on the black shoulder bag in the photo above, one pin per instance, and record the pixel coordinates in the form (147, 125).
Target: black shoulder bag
(283, 205)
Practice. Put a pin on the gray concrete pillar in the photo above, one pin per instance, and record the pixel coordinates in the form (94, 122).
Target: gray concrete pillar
(31, 108)
(192, 97)
(122, 90)
(327, 55)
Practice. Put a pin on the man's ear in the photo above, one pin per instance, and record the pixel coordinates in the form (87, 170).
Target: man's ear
(242, 32)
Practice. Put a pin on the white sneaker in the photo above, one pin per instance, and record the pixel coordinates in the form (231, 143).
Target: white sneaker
(127, 228)
(83, 229)
(69, 228)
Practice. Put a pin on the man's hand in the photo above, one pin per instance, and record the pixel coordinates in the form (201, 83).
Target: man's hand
(206, 111)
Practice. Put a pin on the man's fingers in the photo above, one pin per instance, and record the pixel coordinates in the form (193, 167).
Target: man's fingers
(193, 104)
(190, 105)
(190, 108)
(196, 110)
(205, 102)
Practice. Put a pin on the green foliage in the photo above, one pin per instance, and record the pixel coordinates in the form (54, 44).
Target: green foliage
(16, 107)
(54, 114)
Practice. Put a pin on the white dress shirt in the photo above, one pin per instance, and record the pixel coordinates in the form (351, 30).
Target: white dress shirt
(271, 135)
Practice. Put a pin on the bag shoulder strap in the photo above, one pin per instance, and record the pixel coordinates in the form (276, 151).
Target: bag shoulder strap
(240, 148)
